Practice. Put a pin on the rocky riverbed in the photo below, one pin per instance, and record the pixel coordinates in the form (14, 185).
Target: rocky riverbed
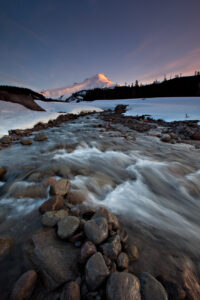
(100, 206)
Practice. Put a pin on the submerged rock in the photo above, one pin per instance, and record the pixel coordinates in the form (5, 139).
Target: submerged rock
(96, 230)
(24, 286)
(96, 271)
(123, 286)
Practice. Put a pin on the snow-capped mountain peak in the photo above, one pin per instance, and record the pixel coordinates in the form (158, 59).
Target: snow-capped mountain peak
(97, 81)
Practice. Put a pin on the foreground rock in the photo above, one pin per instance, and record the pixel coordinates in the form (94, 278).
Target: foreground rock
(24, 286)
(96, 230)
(96, 271)
(56, 260)
(60, 188)
(152, 288)
(68, 226)
(54, 203)
(111, 219)
(123, 286)
(51, 218)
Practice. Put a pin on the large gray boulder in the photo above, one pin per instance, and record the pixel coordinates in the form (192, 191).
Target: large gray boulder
(123, 286)
(96, 230)
(96, 271)
(151, 288)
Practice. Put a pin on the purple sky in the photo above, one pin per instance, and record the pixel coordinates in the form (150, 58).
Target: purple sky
(52, 43)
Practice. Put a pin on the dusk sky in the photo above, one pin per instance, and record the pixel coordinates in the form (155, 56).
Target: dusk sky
(52, 43)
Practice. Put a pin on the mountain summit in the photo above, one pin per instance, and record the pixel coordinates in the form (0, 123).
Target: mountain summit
(96, 81)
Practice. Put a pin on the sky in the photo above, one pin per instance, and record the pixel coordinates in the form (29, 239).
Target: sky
(47, 44)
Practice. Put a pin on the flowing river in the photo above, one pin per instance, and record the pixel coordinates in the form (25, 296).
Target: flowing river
(152, 186)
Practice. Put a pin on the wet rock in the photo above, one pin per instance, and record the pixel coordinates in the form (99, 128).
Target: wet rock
(24, 286)
(26, 142)
(190, 282)
(151, 288)
(174, 291)
(21, 190)
(87, 250)
(123, 286)
(51, 218)
(111, 219)
(196, 136)
(2, 173)
(112, 247)
(40, 137)
(123, 235)
(76, 197)
(77, 237)
(132, 252)
(6, 140)
(54, 203)
(71, 291)
(67, 227)
(61, 187)
(122, 261)
(96, 271)
(83, 210)
(55, 260)
(96, 230)
(165, 138)
(6, 243)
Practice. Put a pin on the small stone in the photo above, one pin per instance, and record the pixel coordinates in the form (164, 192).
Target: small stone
(24, 286)
(123, 286)
(61, 187)
(54, 203)
(87, 250)
(26, 142)
(112, 247)
(2, 173)
(96, 230)
(111, 219)
(132, 252)
(40, 137)
(152, 288)
(71, 291)
(67, 227)
(123, 235)
(165, 138)
(51, 218)
(96, 271)
(122, 261)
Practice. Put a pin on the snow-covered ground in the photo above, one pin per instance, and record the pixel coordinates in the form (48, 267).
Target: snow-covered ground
(14, 116)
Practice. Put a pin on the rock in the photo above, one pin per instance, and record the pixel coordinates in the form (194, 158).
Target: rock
(174, 291)
(122, 261)
(123, 286)
(96, 230)
(132, 252)
(196, 136)
(123, 235)
(2, 173)
(51, 218)
(52, 204)
(113, 267)
(76, 197)
(83, 210)
(96, 271)
(151, 288)
(71, 291)
(6, 140)
(165, 138)
(21, 190)
(26, 142)
(67, 226)
(112, 247)
(77, 237)
(55, 260)
(190, 282)
(61, 187)
(111, 219)
(24, 286)
(6, 243)
(40, 137)
(87, 250)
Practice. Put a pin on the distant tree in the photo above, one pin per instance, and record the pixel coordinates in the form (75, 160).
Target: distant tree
(136, 83)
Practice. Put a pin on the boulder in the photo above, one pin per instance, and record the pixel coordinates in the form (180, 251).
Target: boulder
(112, 247)
(151, 288)
(96, 271)
(24, 286)
(111, 219)
(40, 137)
(122, 261)
(96, 230)
(60, 188)
(26, 142)
(68, 226)
(87, 250)
(123, 286)
(6, 243)
(54, 203)
(51, 218)
(165, 138)
(71, 291)
(2, 173)
(55, 260)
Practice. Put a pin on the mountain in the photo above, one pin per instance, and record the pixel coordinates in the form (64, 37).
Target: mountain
(96, 81)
